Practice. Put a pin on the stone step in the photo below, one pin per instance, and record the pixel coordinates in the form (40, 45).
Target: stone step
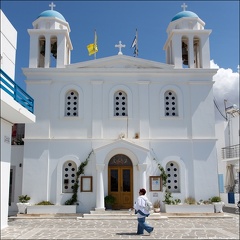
(117, 214)
(47, 216)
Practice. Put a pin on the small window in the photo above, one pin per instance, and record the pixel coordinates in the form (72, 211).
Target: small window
(69, 176)
(172, 171)
(120, 104)
(170, 104)
(71, 104)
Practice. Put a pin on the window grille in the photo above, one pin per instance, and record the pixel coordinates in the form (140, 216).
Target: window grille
(120, 104)
(172, 170)
(69, 176)
(170, 104)
(71, 104)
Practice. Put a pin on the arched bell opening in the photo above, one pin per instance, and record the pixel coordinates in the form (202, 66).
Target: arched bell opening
(53, 48)
(41, 51)
(185, 52)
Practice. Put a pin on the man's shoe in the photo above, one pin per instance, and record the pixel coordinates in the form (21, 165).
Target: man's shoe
(151, 231)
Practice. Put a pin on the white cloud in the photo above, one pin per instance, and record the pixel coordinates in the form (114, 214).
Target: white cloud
(226, 86)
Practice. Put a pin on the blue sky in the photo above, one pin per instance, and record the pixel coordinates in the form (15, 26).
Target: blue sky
(117, 20)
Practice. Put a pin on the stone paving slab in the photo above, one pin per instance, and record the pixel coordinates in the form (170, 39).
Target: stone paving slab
(169, 228)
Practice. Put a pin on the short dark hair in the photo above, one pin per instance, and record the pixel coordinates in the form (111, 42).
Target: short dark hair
(143, 191)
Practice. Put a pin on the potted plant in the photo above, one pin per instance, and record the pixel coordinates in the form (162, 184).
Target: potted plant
(156, 206)
(23, 203)
(218, 204)
(109, 201)
(190, 201)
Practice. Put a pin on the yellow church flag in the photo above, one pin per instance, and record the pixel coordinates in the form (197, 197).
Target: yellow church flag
(92, 47)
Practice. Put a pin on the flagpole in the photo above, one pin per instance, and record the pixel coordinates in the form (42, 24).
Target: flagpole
(137, 42)
(95, 54)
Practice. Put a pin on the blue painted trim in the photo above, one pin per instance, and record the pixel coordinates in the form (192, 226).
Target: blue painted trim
(220, 181)
(18, 94)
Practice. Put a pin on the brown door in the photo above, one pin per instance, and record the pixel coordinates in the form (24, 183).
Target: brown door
(120, 186)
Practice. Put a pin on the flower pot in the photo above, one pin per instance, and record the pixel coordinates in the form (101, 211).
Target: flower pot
(22, 207)
(156, 210)
(51, 209)
(218, 207)
(185, 208)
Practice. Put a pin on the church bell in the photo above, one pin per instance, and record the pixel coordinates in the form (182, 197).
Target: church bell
(54, 49)
(184, 53)
(42, 48)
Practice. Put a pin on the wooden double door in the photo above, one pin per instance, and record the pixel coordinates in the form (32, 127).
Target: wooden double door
(120, 185)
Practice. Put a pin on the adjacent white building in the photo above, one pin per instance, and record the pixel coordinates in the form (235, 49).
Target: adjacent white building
(16, 107)
(228, 155)
(133, 113)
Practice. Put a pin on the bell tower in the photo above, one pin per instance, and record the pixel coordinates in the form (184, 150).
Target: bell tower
(187, 45)
(50, 43)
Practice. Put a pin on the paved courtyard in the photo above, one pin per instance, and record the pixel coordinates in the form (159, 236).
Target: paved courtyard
(226, 227)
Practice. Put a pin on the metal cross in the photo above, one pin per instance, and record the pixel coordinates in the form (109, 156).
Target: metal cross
(52, 5)
(184, 6)
(120, 46)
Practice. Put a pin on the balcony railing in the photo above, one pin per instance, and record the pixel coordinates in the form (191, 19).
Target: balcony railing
(18, 94)
(231, 152)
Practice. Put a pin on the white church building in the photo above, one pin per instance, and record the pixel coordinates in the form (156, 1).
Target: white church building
(132, 113)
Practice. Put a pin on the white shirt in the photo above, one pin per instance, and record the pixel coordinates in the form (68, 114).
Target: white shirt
(140, 205)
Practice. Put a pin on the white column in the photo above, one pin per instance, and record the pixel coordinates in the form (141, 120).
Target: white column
(142, 175)
(205, 51)
(34, 49)
(177, 50)
(190, 52)
(61, 48)
(47, 52)
(100, 188)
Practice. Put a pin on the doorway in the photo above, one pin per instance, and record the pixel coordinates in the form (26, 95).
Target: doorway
(120, 181)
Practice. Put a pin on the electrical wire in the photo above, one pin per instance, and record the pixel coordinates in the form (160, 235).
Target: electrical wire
(215, 103)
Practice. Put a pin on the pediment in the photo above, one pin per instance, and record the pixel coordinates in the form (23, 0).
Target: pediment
(120, 61)
(121, 143)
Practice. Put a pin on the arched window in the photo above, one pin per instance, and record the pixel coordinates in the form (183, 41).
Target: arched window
(53, 55)
(185, 52)
(170, 103)
(173, 180)
(69, 176)
(41, 51)
(120, 104)
(71, 104)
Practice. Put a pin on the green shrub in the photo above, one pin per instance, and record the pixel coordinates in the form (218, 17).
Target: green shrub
(215, 199)
(190, 201)
(109, 199)
(44, 203)
(24, 198)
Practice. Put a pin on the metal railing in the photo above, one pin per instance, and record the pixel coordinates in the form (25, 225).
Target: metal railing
(231, 152)
(18, 94)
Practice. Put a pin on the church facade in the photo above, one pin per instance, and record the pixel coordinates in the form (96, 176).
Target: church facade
(131, 113)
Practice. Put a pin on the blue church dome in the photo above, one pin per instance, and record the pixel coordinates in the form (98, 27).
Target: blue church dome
(52, 13)
(184, 14)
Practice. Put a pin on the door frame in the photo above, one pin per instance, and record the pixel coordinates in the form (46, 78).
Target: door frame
(123, 201)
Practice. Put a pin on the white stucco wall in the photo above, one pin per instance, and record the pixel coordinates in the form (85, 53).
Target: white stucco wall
(6, 131)
(8, 46)
(17, 168)
(190, 136)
